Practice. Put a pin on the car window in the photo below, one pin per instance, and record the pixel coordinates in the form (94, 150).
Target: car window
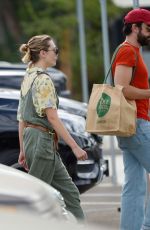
(9, 81)
(8, 103)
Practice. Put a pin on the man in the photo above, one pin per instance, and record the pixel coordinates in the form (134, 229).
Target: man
(136, 149)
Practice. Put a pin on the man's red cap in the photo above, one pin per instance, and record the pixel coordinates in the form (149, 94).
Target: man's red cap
(138, 15)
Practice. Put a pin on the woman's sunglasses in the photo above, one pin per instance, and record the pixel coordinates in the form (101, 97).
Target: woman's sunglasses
(55, 50)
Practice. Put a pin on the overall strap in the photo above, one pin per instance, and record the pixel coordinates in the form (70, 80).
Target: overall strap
(43, 72)
(38, 73)
(113, 59)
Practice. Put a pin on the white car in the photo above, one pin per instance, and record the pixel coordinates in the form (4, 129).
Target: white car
(10, 220)
(22, 192)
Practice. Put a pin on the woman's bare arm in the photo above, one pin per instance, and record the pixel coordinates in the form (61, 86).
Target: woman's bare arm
(58, 126)
(21, 158)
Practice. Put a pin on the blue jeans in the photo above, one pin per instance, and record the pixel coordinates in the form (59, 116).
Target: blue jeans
(136, 158)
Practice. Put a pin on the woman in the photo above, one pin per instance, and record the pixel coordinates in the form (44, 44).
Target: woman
(39, 123)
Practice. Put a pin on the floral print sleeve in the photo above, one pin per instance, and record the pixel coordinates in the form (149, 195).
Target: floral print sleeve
(43, 94)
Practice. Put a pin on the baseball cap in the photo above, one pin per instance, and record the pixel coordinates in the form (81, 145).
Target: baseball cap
(138, 15)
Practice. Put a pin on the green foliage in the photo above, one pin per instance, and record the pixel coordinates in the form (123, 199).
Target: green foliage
(46, 16)
(56, 16)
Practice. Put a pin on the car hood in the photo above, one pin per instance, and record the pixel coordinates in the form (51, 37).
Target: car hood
(73, 106)
(24, 190)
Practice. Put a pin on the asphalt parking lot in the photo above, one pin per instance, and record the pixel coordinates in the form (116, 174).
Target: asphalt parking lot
(101, 205)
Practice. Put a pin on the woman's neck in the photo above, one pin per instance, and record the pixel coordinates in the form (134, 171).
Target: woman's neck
(39, 65)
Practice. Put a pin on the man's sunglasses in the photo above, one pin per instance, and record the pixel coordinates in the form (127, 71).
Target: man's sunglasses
(55, 50)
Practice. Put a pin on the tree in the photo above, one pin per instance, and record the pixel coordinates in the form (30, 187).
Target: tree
(23, 19)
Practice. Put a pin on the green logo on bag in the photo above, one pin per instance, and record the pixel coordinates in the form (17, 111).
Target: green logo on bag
(103, 105)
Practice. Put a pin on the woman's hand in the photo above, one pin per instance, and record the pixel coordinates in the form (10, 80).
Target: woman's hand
(80, 153)
(22, 160)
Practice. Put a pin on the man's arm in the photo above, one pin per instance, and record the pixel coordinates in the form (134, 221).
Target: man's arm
(123, 76)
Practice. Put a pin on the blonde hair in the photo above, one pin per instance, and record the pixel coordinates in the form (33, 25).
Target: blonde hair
(33, 47)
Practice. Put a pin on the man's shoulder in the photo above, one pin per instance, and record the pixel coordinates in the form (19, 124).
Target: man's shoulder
(126, 50)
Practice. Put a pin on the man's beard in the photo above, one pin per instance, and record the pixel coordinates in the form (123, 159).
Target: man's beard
(142, 39)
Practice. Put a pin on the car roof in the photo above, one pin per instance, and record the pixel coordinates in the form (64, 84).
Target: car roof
(7, 68)
(14, 93)
(9, 93)
(73, 106)
(12, 72)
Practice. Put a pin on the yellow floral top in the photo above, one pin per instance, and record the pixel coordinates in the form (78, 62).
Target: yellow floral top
(43, 91)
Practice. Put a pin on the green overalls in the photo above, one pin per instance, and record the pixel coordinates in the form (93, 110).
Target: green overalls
(43, 159)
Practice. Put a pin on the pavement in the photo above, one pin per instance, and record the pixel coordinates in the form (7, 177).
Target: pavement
(101, 204)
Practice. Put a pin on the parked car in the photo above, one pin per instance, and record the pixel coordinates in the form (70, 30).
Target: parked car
(78, 108)
(85, 174)
(11, 76)
(16, 220)
(20, 191)
(73, 106)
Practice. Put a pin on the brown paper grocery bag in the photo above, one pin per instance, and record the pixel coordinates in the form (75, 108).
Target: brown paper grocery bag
(109, 113)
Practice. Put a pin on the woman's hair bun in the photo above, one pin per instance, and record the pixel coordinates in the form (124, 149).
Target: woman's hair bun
(24, 48)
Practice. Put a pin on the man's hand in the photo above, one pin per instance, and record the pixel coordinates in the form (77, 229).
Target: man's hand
(22, 160)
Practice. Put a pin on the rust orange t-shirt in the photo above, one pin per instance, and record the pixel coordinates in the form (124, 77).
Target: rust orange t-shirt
(126, 56)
